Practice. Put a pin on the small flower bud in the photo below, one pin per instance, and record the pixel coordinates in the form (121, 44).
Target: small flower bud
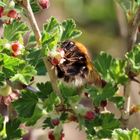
(103, 103)
(90, 115)
(12, 14)
(55, 121)
(44, 3)
(51, 135)
(1, 11)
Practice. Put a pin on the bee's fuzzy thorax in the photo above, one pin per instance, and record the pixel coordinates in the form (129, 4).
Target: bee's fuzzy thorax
(75, 66)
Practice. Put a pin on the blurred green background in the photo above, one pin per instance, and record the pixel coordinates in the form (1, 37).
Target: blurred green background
(97, 19)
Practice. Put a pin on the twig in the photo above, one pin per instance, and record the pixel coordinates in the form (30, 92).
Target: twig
(132, 76)
(32, 20)
(136, 80)
(126, 108)
(133, 29)
(33, 23)
(122, 21)
(52, 76)
(62, 108)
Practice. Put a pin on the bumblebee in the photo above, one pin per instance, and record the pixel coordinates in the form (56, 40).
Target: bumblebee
(73, 64)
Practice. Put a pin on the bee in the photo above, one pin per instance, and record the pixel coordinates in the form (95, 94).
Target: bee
(73, 64)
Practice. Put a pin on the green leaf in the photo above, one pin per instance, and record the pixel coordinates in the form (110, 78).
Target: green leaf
(47, 123)
(12, 129)
(103, 133)
(45, 89)
(2, 78)
(135, 134)
(111, 70)
(69, 30)
(91, 125)
(33, 56)
(54, 32)
(40, 67)
(3, 43)
(67, 91)
(51, 34)
(118, 71)
(74, 101)
(31, 41)
(99, 95)
(102, 64)
(120, 134)
(49, 41)
(118, 101)
(52, 25)
(14, 31)
(11, 65)
(16, 69)
(101, 127)
(1, 122)
(91, 133)
(52, 101)
(138, 2)
(25, 105)
(25, 75)
(108, 91)
(134, 58)
(35, 117)
(63, 117)
(35, 6)
(109, 122)
(35, 59)
(2, 4)
(125, 4)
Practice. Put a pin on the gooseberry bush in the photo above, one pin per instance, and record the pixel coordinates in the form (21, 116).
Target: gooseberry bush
(57, 102)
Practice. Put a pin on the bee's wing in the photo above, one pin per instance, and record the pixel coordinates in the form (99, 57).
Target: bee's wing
(93, 76)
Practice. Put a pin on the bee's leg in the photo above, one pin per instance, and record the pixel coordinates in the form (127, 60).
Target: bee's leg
(60, 72)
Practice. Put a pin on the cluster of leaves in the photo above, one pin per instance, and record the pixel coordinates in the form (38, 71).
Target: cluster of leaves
(120, 134)
(133, 58)
(43, 102)
(15, 69)
(35, 6)
(116, 71)
(130, 7)
(55, 32)
(9, 11)
(112, 70)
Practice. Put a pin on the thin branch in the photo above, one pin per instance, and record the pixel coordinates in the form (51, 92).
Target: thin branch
(52, 76)
(133, 29)
(126, 108)
(122, 21)
(136, 80)
(32, 20)
(127, 97)
(132, 76)
(33, 23)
